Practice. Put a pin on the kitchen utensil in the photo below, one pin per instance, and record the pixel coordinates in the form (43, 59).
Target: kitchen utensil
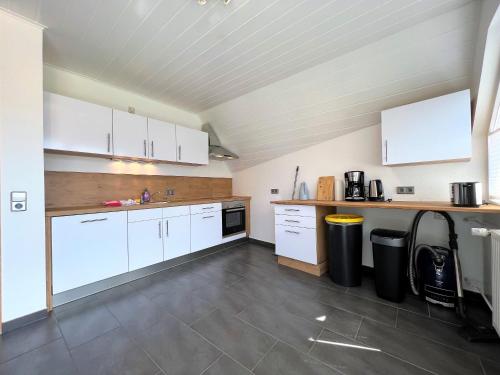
(326, 188)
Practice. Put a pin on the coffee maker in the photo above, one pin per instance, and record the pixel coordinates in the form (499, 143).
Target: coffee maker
(354, 186)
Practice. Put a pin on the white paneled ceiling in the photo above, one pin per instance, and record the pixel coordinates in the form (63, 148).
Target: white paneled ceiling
(197, 57)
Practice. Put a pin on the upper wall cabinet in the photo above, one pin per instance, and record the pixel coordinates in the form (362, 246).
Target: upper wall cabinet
(130, 135)
(192, 146)
(162, 143)
(75, 125)
(433, 130)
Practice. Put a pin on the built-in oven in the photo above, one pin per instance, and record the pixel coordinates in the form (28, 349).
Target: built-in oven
(233, 217)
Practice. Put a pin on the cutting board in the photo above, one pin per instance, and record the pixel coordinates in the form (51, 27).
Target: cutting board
(326, 188)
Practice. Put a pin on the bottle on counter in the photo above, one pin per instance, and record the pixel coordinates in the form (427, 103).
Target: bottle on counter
(145, 196)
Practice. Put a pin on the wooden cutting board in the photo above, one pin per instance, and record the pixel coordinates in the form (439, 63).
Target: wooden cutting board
(326, 188)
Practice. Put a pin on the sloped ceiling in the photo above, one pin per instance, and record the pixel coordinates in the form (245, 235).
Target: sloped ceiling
(429, 59)
(196, 57)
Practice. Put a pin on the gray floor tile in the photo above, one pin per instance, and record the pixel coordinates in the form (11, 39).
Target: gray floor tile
(424, 353)
(152, 286)
(224, 298)
(285, 360)
(112, 353)
(444, 314)
(490, 367)
(242, 342)
(183, 304)
(136, 312)
(351, 357)
(176, 348)
(27, 338)
(85, 322)
(293, 330)
(50, 359)
(337, 320)
(226, 366)
(189, 280)
(446, 334)
(260, 291)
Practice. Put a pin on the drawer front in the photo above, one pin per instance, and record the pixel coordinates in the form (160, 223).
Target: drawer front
(296, 210)
(295, 221)
(147, 214)
(176, 211)
(203, 208)
(296, 243)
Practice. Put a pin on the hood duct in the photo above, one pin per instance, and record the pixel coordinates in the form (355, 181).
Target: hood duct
(215, 150)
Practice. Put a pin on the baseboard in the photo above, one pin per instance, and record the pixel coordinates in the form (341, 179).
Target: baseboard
(23, 321)
(262, 243)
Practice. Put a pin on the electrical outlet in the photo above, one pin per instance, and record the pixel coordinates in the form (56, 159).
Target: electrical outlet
(405, 190)
(275, 191)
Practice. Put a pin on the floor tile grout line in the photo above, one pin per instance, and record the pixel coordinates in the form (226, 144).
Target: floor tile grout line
(265, 355)
(36, 348)
(203, 316)
(359, 327)
(314, 343)
(211, 364)
(396, 320)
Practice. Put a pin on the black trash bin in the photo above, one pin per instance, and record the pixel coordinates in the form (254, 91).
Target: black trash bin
(390, 259)
(345, 248)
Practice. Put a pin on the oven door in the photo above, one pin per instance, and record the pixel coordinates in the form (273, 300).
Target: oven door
(233, 220)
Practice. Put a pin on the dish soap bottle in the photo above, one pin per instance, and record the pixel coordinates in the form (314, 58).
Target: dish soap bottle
(145, 197)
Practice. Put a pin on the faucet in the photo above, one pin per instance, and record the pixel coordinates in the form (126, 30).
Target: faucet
(153, 194)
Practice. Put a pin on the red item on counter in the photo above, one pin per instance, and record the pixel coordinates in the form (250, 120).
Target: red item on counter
(112, 203)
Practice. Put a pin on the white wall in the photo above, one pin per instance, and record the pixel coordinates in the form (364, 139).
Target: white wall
(21, 167)
(361, 150)
(84, 88)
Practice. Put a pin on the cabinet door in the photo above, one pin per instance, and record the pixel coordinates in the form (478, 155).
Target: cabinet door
(437, 129)
(206, 230)
(162, 143)
(88, 248)
(74, 125)
(192, 145)
(130, 135)
(177, 236)
(145, 243)
(296, 243)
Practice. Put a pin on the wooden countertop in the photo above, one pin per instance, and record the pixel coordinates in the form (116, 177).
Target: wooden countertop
(402, 205)
(66, 211)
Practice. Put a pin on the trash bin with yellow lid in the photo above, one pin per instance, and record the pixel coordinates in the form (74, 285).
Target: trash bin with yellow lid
(345, 248)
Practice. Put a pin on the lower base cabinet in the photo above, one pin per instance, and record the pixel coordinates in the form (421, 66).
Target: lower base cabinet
(176, 237)
(145, 243)
(206, 230)
(88, 248)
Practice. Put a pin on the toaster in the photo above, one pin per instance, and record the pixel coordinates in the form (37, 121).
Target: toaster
(466, 194)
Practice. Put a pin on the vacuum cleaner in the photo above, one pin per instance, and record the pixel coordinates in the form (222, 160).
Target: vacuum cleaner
(435, 274)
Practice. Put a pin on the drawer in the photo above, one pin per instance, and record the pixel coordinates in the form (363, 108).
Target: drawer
(146, 214)
(296, 210)
(175, 211)
(296, 243)
(202, 208)
(295, 221)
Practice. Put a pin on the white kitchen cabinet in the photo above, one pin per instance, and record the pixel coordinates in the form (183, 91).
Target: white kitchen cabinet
(192, 145)
(162, 141)
(88, 248)
(206, 207)
(206, 230)
(296, 243)
(130, 135)
(74, 125)
(145, 243)
(438, 129)
(176, 236)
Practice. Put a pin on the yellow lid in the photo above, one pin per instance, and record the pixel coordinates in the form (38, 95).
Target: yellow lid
(344, 219)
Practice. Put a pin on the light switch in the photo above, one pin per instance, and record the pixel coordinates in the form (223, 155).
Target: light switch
(18, 201)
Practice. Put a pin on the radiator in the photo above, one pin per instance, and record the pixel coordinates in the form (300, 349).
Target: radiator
(495, 278)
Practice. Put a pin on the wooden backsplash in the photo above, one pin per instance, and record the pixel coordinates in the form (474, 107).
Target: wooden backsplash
(74, 189)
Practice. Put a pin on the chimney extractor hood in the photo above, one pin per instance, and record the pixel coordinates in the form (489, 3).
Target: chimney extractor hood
(215, 149)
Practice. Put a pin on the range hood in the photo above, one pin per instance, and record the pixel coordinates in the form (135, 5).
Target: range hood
(215, 150)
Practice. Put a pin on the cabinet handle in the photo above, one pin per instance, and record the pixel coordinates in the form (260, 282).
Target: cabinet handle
(386, 147)
(291, 209)
(207, 208)
(207, 217)
(180, 155)
(291, 231)
(93, 220)
(109, 142)
(159, 229)
(292, 221)
(152, 149)
(145, 147)
(234, 209)
(167, 227)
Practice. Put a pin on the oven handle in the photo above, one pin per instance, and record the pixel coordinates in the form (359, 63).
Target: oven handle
(234, 209)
